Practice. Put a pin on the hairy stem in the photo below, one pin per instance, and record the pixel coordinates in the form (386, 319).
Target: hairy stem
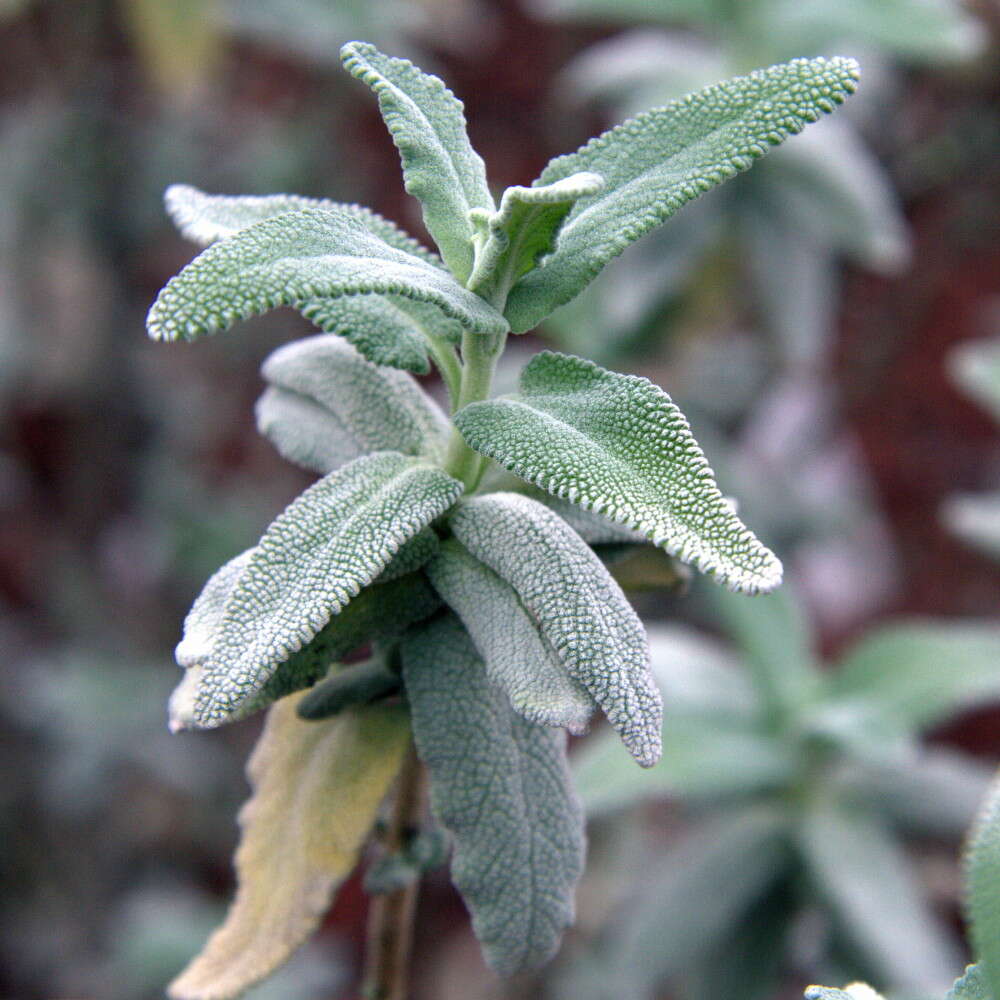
(479, 357)
(390, 923)
(448, 366)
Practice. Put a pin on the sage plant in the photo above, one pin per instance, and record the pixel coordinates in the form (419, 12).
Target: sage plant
(456, 549)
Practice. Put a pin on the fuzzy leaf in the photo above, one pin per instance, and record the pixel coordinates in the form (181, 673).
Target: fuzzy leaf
(206, 218)
(328, 405)
(440, 167)
(500, 786)
(387, 329)
(917, 674)
(358, 684)
(380, 612)
(315, 557)
(853, 991)
(511, 241)
(316, 789)
(655, 163)
(295, 258)
(971, 986)
(518, 658)
(617, 444)
(868, 881)
(578, 608)
(982, 870)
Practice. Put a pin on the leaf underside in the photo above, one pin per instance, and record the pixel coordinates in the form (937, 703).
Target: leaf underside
(440, 167)
(517, 657)
(316, 789)
(660, 160)
(387, 329)
(207, 218)
(617, 445)
(578, 608)
(523, 230)
(500, 786)
(315, 557)
(295, 258)
(328, 405)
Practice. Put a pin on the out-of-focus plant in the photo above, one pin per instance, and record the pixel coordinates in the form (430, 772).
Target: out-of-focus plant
(980, 981)
(801, 782)
(486, 608)
(784, 228)
(975, 518)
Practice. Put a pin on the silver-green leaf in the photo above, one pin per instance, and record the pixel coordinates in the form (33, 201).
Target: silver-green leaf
(500, 786)
(440, 167)
(315, 557)
(518, 658)
(660, 160)
(578, 608)
(295, 258)
(328, 405)
(387, 329)
(617, 444)
(510, 241)
(982, 867)
(206, 218)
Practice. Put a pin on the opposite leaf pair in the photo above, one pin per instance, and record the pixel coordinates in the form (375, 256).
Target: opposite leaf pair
(405, 521)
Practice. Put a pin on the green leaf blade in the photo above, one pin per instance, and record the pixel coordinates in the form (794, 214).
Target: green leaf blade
(517, 657)
(577, 606)
(295, 258)
(387, 329)
(617, 445)
(440, 167)
(332, 541)
(328, 405)
(982, 869)
(206, 218)
(505, 798)
(657, 162)
(523, 230)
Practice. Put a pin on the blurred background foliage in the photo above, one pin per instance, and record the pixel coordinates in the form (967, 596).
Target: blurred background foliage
(829, 323)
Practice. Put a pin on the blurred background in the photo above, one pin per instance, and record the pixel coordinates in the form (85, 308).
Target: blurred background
(829, 323)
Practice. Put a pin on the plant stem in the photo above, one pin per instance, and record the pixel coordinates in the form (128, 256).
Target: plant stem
(390, 923)
(448, 365)
(479, 357)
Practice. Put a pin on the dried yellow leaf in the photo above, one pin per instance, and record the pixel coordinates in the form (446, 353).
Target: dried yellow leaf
(316, 789)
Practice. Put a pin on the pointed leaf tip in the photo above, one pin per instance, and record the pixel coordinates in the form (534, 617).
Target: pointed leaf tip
(655, 163)
(618, 445)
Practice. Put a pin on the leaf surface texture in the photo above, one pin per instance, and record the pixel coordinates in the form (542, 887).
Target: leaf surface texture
(295, 258)
(617, 445)
(328, 405)
(658, 161)
(315, 557)
(579, 609)
(500, 786)
(440, 167)
(316, 789)
(518, 659)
